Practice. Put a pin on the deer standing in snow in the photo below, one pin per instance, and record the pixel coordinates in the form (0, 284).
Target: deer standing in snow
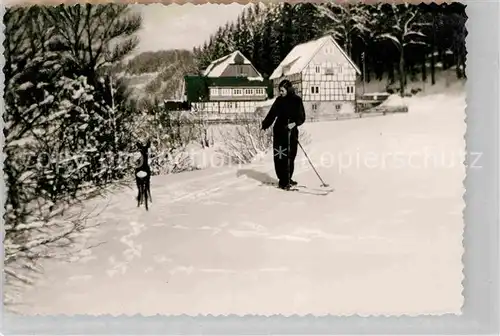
(143, 175)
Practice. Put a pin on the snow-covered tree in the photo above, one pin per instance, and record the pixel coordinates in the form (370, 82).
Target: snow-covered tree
(93, 36)
(347, 21)
(270, 37)
(60, 124)
(402, 28)
(41, 186)
(308, 22)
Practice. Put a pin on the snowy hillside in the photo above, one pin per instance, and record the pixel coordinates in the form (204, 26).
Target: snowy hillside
(158, 74)
(218, 241)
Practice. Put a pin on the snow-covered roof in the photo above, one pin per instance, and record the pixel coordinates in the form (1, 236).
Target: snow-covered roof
(217, 67)
(302, 54)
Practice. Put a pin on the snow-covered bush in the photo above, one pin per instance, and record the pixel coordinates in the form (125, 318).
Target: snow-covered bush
(245, 141)
(170, 132)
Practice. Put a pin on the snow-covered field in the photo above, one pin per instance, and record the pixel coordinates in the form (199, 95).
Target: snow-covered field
(388, 240)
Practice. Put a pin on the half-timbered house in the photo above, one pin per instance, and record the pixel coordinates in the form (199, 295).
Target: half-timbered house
(323, 75)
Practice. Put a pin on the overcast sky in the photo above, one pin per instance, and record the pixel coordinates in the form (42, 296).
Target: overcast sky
(181, 26)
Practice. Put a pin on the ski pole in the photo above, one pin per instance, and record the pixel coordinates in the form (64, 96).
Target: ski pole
(323, 182)
(288, 156)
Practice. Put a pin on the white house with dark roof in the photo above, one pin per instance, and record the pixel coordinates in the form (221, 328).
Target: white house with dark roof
(234, 86)
(322, 74)
(233, 65)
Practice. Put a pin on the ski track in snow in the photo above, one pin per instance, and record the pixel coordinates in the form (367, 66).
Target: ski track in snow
(218, 241)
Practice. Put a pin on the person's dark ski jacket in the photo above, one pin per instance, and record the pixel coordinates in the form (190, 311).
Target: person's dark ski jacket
(285, 110)
(287, 113)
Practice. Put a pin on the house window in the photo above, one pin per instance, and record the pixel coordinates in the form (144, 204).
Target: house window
(237, 92)
(338, 107)
(314, 107)
(350, 89)
(329, 71)
(241, 72)
(318, 69)
(214, 91)
(249, 92)
(225, 92)
(314, 89)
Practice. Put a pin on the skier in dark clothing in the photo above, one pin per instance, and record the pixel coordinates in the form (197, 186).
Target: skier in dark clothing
(288, 112)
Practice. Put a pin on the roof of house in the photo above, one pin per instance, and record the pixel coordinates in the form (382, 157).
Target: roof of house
(300, 56)
(217, 67)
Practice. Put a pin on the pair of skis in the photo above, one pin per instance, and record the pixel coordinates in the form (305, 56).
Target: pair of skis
(303, 187)
(323, 191)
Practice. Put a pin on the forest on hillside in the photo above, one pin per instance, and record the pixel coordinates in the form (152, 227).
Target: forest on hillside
(158, 74)
(396, 40)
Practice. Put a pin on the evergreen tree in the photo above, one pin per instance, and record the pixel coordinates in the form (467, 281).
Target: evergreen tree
(402, 29)
(436, 33)
(286, 29)
(308, 22)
